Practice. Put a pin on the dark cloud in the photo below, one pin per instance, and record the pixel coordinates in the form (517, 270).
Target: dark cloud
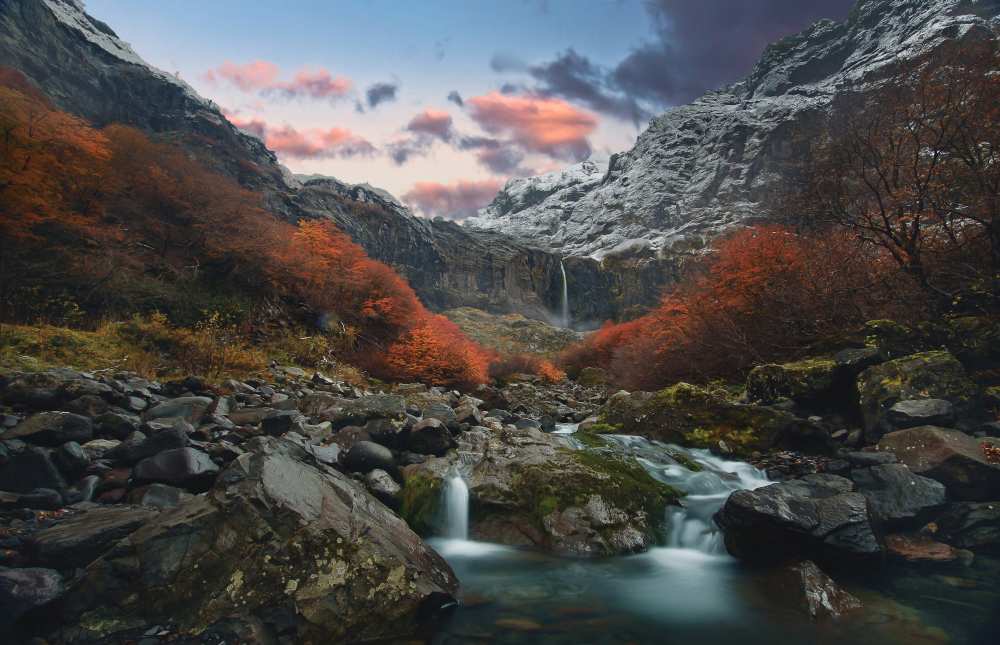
(456, 200)
(699, 46)
(499, 157)
(433, 123)
(380, 93)
(456, 98)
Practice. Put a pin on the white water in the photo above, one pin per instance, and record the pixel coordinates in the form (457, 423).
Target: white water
(691, 526)
(456, 508)
(565, 298)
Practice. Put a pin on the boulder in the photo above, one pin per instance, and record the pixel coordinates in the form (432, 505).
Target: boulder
(948, 456)
(921, 412)
(182, 467)
(922, 549)
(22, 590)
(363, 410)
(80, 539)
(282, 421)
(820, 516)
(895, 494)
(189, 408)
(440, 411)
(365, 456)
(868, 458)
(29, 469)
(693, 416)
(71, 459)
(52, 429)
(297, 550)
(383, 487)
(468, 413)
(388, 432)
(807, 382)
(809, 588)
(930, 375)
(430, 437)
(116, 425)
(157, 496)
(971, 525)
(140, 447)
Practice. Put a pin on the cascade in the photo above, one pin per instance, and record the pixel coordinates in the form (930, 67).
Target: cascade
(564, 311)
(456, 507)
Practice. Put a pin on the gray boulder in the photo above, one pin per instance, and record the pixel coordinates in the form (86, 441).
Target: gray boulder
(52, 429)
(818, 516)
(365, 456)
(29, 469)
(189, 408)
(949, 456)
(141, 447)
(430, 437)
(71, 459)
(895, 494)
(971, 525)
(22, 590)
(383, 487)
(80, 539)
(921, 412)
(295, 549)
(185, 468)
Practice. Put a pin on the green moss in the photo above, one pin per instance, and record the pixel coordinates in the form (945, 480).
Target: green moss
(604, 428)
(685, 461)
(420, 502)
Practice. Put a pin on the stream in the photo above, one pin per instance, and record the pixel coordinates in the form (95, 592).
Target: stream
(690, 590)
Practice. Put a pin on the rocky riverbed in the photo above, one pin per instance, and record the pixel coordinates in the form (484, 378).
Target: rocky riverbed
(293, 508)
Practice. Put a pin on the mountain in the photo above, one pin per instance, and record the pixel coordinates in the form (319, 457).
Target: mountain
(85, 69)
(702, 168)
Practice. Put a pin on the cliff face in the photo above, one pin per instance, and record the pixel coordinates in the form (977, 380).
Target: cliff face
(702, 168)
(87, 70)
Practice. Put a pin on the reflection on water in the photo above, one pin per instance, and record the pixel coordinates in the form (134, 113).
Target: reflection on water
(691, 591)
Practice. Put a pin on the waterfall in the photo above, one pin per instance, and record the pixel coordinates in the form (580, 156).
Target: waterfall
(707, 481)
(564, 311)
(456, 507)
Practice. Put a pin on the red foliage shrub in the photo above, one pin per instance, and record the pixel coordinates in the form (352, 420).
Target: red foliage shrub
(436, 351)
(503, 367)
(766, 294)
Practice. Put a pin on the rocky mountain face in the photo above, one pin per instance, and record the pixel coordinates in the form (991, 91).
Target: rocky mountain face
(87, 70)
(702, 168)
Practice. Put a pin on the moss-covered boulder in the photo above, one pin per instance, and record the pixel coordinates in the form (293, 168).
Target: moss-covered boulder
(927, 375)
(808, 381)
(530, 488)
(697, 417)
(895, 340)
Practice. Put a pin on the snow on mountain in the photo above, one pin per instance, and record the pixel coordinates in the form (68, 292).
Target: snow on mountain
(702, 168)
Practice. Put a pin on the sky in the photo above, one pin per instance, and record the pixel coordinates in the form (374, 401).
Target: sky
(441, 101)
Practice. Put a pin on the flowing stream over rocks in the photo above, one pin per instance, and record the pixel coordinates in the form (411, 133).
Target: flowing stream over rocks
(688, 588)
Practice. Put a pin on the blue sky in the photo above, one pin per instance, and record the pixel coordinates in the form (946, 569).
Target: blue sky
(543, 83)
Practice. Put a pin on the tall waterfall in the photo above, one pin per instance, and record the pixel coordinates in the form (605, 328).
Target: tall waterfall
(456, 507)
(564, 311)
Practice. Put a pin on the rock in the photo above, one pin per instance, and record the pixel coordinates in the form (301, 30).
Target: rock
(363, 410)
(71, 459)
(297, 550)
(468, 413)
(183, 467)
(930, 375)
(430, 437)
(526, 489)
(442, 412)
(971, 525)
(87, 405)
(895, 494)
(96, 448)
(866, 459)
(808, 587)
(920, 548)
(22, 590)
(189, 408)
(281, 422)
(157, 496)
(856, 360)
(692, 416)
(365, 456)
(806, 382)
(44, 499)
(52, 429)
(137, 449)
(921, 412)
(948, 456)
(116, 425)
(29, 469)
(389, 433)
(383, 487)
(78, 540)
(818, 515)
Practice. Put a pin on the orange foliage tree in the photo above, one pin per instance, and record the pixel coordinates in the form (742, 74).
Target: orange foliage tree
(436, 351)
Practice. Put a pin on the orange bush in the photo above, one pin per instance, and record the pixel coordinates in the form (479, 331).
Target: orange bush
(765, 294)
(436, 351)
(503, 367)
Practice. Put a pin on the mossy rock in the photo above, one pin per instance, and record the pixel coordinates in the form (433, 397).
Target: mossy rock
(805, 381)
(420, 503)
(895, 340)
(925, 375)
(691, 416)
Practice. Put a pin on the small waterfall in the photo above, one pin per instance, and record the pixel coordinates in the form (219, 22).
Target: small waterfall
(564, 310)
(456, 507)
(707, 485)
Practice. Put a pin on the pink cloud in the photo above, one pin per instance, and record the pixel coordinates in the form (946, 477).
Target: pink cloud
(435, 123)
(546, 125)
(457, 200)
(250, 77)
(262, 77)
(313, 143)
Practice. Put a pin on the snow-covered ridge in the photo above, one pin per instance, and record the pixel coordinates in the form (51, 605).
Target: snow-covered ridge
(702, 168)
